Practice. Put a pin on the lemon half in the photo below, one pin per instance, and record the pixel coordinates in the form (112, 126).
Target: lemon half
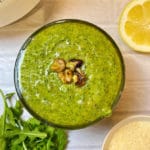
(134, 25)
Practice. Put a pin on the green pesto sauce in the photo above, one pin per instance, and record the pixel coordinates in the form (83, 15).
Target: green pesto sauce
(67, 104)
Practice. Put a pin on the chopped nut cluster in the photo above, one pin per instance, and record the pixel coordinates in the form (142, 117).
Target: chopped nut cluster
(58, 65)
(74, 63)
(70, 71)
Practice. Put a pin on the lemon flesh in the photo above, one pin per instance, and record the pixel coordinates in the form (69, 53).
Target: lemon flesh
(134, 25)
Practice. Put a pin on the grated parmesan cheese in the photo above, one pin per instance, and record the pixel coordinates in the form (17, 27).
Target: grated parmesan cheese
(132, 136)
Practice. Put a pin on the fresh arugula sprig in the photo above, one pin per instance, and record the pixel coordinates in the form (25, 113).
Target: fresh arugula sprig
(18, 134)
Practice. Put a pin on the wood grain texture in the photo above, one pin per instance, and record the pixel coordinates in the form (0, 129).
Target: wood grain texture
(104, 13)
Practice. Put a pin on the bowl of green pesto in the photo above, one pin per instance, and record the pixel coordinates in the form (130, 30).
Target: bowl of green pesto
(69, 73)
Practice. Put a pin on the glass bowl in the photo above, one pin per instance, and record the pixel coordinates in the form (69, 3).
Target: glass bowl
(36, 110)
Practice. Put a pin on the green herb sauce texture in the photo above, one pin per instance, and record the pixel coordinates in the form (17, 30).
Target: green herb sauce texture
(67, 104)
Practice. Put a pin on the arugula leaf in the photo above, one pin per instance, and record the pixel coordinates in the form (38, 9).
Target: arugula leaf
(3, 144)
(17, 110)
(9, 95)
(61, 139)
(18, 134)
(3, 120)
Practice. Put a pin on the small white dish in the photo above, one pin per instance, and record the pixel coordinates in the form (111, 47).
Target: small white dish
(122, 123)
(12, 10)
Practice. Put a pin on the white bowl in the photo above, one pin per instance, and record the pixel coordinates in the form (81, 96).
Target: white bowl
(12, 10)
(121, 124)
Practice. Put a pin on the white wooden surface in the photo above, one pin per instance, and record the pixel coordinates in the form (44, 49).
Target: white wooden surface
(104, 13)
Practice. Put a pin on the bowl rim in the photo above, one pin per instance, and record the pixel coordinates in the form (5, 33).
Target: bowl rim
(17, 65)
(121, 124)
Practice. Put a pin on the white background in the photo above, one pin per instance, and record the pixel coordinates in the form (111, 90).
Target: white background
(104, 13)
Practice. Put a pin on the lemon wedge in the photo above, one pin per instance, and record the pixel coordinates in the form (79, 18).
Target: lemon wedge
(134, 25)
